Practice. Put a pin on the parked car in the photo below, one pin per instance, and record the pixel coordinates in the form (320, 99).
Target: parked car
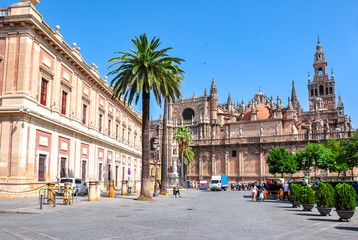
(78, 185)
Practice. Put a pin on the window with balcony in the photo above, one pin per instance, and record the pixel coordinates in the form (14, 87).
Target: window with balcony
(109, 127)
(100, 122)
(84, 114)
(64, 102)
(43, 94)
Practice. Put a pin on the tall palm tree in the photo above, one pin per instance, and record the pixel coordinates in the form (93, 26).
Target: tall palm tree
(163, 186)
(186, 155)
(136, 74)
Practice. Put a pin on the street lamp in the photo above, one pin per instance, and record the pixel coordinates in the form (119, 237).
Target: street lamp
(156, 160)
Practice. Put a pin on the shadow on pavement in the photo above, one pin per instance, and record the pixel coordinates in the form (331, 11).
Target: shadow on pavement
(348, 228)
(306, 214)
(287, 207)
(325, 220)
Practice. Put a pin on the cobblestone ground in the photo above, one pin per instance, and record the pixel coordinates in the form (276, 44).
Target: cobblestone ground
(197, 215)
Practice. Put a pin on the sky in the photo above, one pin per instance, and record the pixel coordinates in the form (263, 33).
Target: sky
(246, 46)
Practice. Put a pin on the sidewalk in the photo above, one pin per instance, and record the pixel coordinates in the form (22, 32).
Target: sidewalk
(32, 205)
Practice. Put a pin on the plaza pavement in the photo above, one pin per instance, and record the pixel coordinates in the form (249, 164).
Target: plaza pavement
(197, 215)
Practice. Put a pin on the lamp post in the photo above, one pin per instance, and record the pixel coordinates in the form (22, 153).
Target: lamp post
(156, 160)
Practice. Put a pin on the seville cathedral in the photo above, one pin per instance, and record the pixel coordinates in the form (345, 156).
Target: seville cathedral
(58, 118)
(234, 139)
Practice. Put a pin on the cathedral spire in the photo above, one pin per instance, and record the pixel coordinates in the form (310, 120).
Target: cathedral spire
(213, 90)
(293, 93)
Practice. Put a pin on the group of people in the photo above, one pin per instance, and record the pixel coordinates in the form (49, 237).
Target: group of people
(246, 186)
(257, 191)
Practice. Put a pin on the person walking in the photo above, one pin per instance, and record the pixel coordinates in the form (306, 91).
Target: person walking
(176, 190)
(254, 193)
(286, 188)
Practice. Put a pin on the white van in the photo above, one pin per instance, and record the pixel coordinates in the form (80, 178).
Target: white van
(78, 186)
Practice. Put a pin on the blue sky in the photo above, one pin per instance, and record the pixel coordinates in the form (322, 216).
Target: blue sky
(244, 45)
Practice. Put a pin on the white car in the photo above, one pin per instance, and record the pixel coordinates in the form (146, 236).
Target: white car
(78, 186)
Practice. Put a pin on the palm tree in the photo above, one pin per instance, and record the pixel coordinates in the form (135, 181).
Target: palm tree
(183, 138)
(163, 186)
(138, 73)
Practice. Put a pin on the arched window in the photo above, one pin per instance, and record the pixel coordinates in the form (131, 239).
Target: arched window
(188, 114)
(152, 144)
(320, 71)
(321, 90)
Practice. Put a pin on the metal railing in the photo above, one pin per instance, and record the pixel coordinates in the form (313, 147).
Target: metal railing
(315, 136)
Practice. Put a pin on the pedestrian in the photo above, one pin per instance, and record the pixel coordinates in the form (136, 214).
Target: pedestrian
(254, 193)
(176, 190)
(286, 188)
(261, 196)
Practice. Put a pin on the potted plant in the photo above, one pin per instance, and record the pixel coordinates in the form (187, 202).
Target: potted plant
(324, 198)
(295, 194)
(345, 201)
(307, 198)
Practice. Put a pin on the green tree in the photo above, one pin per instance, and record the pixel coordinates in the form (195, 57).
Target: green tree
(281, 161)
(317, 156)
(350, 154)
(336, 155)
(186, 155)
(145, 70)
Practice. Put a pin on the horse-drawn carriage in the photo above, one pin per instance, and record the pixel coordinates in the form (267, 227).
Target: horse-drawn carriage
(274, 188)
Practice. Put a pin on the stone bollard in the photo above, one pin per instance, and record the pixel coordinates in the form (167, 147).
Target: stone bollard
(67, 194)
(92, 191)
(50, 193)
(111, 189)
(98, 190)
(124, 190)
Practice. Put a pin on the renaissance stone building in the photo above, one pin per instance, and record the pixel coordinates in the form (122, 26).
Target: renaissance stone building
(234, 139)
(57, 115)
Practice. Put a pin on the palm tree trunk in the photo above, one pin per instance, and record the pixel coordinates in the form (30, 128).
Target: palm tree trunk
(144, 190)
(164, 174)
(182, 168)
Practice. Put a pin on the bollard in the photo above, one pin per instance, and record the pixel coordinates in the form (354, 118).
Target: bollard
(98, 190)
(50, 193)
(54, 201)
(124, 190)
(41, 196)
(92, 191)
(67, 194)
(111, 189)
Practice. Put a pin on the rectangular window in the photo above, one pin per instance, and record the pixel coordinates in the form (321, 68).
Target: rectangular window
(109, 172)
(84, 114)
(42, 168)
(117, 131)
(233, 153)
(43, 96)
(84, 167)
(100, 171)
(64, 102)
(100, 122)
(109, 127)
(63, 168)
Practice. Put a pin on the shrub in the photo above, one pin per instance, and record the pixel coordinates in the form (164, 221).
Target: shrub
(295, 192)
(307, 195)
(345, 197)
(325, 195)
